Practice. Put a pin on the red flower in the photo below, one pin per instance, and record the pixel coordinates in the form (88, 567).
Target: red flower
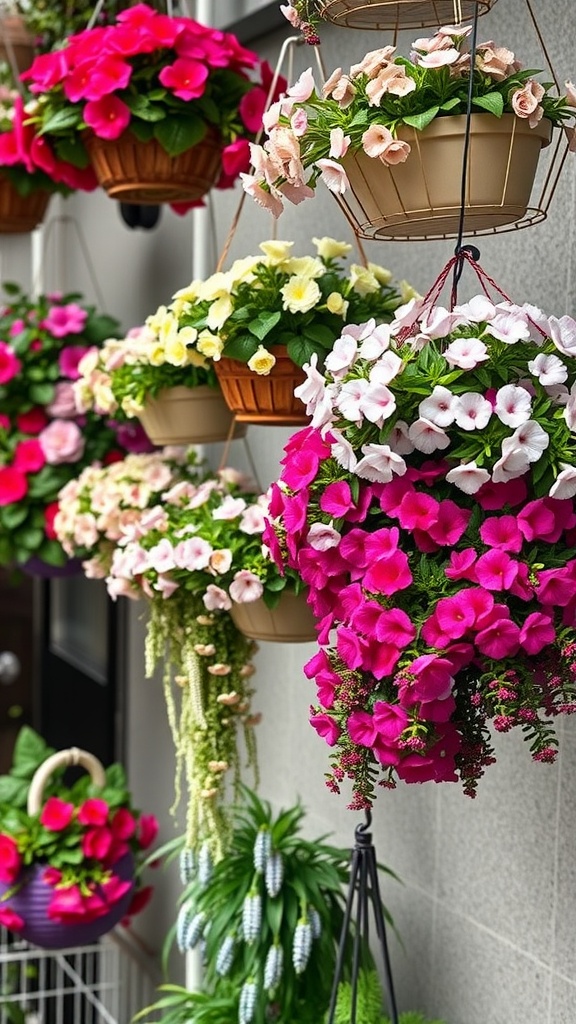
(96, 843)
(123, 824)
(108, 117)
(49, 517)
(140, 899)
(147, 830)
(10, 860)
(93, 812)
(185, 78)
(13, 485)
(33, 421)
(28, 456)
(10, 919)
(10, 365)
(56, 814)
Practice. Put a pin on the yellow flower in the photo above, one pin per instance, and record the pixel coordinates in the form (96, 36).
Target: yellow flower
(155, 319)
(305, 266)
(382, 275)
(156, 355)
(362, 279)
(131, 407)
(210, 345)
(168, 328)
(176, 351)
(189, 293)
(407, 291)
(329, 249)
(188, 335)
(195, 358)
(336, 303)
(219, 312)
(243, 270)
(213, 287)
(300, 294)
(262, 361)
(275, 251)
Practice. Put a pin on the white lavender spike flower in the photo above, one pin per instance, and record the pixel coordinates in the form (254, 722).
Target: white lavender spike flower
(187, 865)
(189, 927)
(274, 875)
(315, 922)
(302, 945)
(247, 1003)
(204, 864)
(225, 956)
(262, 847)
(251, 916)
(273, 967)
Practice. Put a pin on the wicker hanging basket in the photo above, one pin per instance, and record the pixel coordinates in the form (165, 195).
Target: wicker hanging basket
(16, 42)
(20, 214)
(421, 198)
(291, 621)
(32, 899)
(182, 415)
(400, 14)
(144, 173)
(264, 399)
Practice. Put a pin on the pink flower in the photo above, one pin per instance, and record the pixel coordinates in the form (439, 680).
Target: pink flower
(32, 422)
(10, 919)
(301, 469)
(450, 524)
(108, 117)
(431, 680)
(513, 405)
(93, 811)
(28, 456)
(526, 102)
(185, 78)
(495, 570)
(455, 615)
(246, 587)
(96, 842)
(10, 860)
(13, 485)
(123, 824)
(333, 175)
(56, 814)
(63, 405)
(418, 511)
(536, 520)
(362, 728)
(71, 356)
(555, 587)
(394, 626)
(236, 157)
(502, 532)
(62, 442)
(10, 365)
(388, 575)
(537, 632)
(147, 830)
(461, 565)
(64, 320)
(326, 727)
(499, 640)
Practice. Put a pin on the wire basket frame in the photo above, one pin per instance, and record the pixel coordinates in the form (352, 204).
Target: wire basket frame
(399, 14)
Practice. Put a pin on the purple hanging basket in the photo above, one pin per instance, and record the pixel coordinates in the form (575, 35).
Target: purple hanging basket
(32, 900)
(44, 571)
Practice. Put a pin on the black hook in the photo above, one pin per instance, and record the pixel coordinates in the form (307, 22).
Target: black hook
(136, 215)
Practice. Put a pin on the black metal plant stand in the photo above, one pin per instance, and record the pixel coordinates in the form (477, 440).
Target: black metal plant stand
(363, 894)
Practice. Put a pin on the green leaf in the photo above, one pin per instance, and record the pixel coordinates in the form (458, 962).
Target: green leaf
(300, 350)
(493, 103)
(143, 130)
(13, 791)
(13, 515)
(30, 538)
(41, 394)
(71, 149)
(263, 324)
(177, 134)
(142, 108)
(243, 347)
(61, 120)
(421, 121)
(320, 334)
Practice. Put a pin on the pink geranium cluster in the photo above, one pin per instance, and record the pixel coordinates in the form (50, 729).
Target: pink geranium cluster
(44, 439)
(168, 78)
(87, 852)
(430, 510)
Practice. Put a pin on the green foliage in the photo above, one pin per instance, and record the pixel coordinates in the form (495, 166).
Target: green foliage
(369, 1004)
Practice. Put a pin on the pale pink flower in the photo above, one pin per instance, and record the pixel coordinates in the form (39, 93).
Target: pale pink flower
(511, 465)
(311, 391)
(331, 82)
(391, 79)
(166, 586)
(510, 326)
(121, 588)
(333, 175)
(399, 440)
(339, 144)
(439, 408)
(526, 102)
(295, 193)
(438, 58)
(322, 537)
(342, 451)
(472, 411)
(513, 405)
(375, 342)
(529, 438)
(373, 61)
(299, 123)
(479, 309)
(468, 477)
(252, 185)
(570, 94)
(253, 520)
(271, 117)
(344, 92)
(230, 508)
(350, 398)
(63, 405)
(565, 484)
(246, 587)
(377, 404)
(378, 141)
(427, 437)
(62, 442)
(215, 599)
(342, 357)
(291, 15)
(303, 87)
(161, 556)
(497, 62)
(439, 322)
(192, 554)
(380, 463)
(386, 369)
(549, 369)
(466, 353)
(220, 561)
(563, 334)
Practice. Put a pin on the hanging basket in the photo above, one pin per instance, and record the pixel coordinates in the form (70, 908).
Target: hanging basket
(40, 569)
(399, 14)
(265, 399)
(184, 415)
(33, 897)
(20, 213)
(291, 621)
(421, 198)
(144, 173)
(16, 42)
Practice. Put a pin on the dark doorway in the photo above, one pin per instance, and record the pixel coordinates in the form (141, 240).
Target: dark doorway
(17, 663)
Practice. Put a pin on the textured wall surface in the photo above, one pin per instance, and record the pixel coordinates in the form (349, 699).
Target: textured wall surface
(487, 907)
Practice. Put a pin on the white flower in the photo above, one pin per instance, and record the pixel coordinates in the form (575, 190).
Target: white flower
(380, 463)
(321, 537)
(478, 310)
(509, 327)
(466, 353)
(342, 356)
(215, 599)
(468, 477)
(427, 437)
(230, 508)
(245, 587)
(398, 438)
(530, 439)
(558, 393)
(161, 556)
(300, 294)
(472, 411)
(342, 451)
(569, 412)
(563, 334)
(439, 408)
(192, 554)
(253, 520)
(350, 397)
(513, 405)
(375, 343)
(377, 404)
(311, 391)
(549, 369)
(565, 484)
(386, 369)
(439, 322)
(512, 464)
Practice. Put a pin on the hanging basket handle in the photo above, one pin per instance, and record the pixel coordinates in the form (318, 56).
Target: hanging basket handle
(63, 759)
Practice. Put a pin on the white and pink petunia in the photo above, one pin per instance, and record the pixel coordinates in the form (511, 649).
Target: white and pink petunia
(439, 407)
(466, 353)
(513, 405)
(427, 437)
(468, 477)
(472, 411)
(380, 464)
(548, 369)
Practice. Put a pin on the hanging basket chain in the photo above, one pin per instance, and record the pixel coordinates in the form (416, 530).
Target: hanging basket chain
(459, 265)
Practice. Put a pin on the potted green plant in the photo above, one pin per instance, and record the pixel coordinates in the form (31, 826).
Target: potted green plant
(387, 138)
(163, 107)
(257, 323)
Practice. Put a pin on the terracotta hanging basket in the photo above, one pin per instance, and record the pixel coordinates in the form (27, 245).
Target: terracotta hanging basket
(19, 214)
(33, 895)
(182, 415)
(421, 197)
(16, 42)
(399, 14)
(265, 399)
(291, 621)
(144, 173)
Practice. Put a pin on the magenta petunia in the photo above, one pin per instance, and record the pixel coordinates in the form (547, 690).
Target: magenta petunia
(418, 511)
(10, 859)
(336, 499)
(381, 659)
(450, 524)
(537, 632)
(28, 456)
(536, 521)
(461, 565)
(63, 320)
(388, 575)
(495, 570)
(94, 811)
(502, 532)
(326, 727)
(362, 728)
(394, 626)
(10, 365)
(10, 919)
(107, 117)
(302, 469)
(56, 814)
(455, 615)
(186, 78)
(499, 640)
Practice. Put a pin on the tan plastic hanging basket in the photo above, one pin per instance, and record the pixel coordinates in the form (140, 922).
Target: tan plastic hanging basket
(20, 213)
(265, 399)
(400, 14)
(421, 197)
(16, 42)
(291, 621)
(184, 415)
(144, 173)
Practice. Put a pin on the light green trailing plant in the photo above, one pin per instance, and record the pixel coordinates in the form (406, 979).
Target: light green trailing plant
(268, 917)
(369, 1004)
